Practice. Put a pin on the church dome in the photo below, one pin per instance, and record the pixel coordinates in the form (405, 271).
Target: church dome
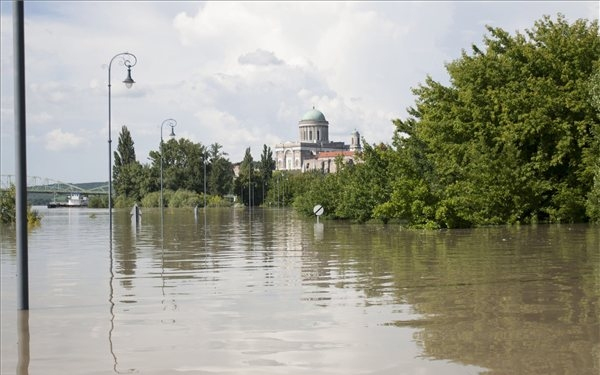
(314, 115)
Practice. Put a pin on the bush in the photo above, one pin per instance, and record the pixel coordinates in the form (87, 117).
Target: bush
(593, 199)
(124, 202)
(218, 201)
(185, 198)
(98, 201)
(151, 199)
(8, 209)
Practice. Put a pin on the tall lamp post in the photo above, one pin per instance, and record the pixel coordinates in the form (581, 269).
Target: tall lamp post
(129, 60)
(172, 123)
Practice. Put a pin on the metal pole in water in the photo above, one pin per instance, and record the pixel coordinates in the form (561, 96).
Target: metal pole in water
(20, 157)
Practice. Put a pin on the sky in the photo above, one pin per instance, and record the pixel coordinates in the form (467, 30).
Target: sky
(241, 74)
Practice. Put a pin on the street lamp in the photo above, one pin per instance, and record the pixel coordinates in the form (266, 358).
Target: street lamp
(129, 60)
(172, 123)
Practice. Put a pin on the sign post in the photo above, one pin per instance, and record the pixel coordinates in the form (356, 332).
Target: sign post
(318, 210)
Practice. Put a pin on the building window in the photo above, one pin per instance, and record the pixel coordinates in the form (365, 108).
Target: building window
(310, 135)
(318, 135)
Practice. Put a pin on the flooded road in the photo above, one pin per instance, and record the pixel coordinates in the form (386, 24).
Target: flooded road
(268, 292)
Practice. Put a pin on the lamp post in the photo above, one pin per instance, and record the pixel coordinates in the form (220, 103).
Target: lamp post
(129, 60)
(172, 123)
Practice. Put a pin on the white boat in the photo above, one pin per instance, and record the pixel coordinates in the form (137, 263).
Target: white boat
(73, 200)
(77, 200)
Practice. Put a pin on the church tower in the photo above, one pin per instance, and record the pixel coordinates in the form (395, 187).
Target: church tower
(355, 141)
(313, 128)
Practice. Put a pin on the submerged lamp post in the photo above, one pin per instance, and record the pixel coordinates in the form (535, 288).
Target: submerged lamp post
(172, 123)
(129, 60)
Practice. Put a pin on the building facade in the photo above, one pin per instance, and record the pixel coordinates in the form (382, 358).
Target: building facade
(314, 150)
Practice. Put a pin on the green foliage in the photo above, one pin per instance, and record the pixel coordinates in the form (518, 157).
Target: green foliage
(123, 201)
(151, 199)
(8, 209)
(266, 167)
(593, 198)
(312, 188)
(220, 172)
(185, 198)
(33, 218)
(128, 173)
(8, 205)
(217, 201)
(98, 201)
(182, 163)
(514, 138)
(130, 180)
(175, 199)
(365, 185)
(125, 153)
(246, 181)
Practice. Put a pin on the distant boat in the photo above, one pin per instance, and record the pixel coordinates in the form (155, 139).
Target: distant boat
(73, 200)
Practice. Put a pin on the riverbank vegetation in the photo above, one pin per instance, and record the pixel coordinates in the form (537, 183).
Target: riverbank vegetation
(514, 138)
(8, 211)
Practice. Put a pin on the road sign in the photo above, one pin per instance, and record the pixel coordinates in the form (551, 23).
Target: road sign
(318, 210)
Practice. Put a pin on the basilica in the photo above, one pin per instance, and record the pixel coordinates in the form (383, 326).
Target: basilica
(314, 150)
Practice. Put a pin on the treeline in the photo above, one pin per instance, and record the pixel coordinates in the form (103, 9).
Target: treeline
(187, 171)
(514, 138)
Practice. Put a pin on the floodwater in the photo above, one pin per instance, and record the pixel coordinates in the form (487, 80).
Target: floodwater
(228, 291)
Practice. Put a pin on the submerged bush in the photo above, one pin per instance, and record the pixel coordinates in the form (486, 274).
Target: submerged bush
(8, 209)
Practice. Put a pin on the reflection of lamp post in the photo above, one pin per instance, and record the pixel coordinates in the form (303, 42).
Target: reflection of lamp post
(204, 162)
(129, 60)
(172, 123)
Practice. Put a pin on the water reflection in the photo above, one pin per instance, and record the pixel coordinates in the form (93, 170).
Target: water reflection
(267, 292)
(23, 342)
(123, 259)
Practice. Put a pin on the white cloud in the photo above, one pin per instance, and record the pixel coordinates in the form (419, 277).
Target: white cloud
(57, 140)
(236, 73)
(40, 118)
(259, 57)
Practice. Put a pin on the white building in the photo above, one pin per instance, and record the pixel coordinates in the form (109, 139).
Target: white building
(314, 150)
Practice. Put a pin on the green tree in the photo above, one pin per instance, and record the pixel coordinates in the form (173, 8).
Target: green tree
(245, 183)
(593, 197)
(265, 171)
(220, 171)
(182, 165)
(8, 209)
(512, 139)
(365, 185)
(127, 171)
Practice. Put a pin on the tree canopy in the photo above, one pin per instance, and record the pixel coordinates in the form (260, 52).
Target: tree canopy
(514, 137)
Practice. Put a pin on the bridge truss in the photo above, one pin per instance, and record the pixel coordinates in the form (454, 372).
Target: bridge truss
(37, 184)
